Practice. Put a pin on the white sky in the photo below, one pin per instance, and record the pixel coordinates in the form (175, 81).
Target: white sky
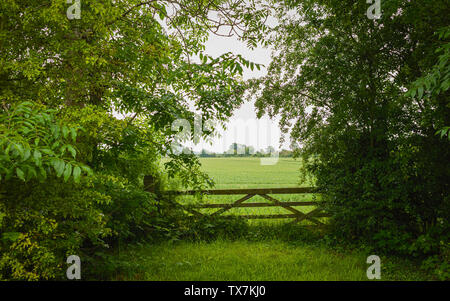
(243, 127)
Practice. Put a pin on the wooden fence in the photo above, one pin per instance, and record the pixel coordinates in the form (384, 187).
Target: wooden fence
(297, 215)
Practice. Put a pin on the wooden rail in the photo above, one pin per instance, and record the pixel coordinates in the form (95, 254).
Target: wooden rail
(290, 190)
(297, 215)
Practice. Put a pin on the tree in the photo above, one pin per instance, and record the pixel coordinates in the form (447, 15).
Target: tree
(206, 153)
(142, 59)
(286, 153)
(339, 78)
(236, 149)
(270, 150)
(249, 150)
(436, 82)
(240, 149)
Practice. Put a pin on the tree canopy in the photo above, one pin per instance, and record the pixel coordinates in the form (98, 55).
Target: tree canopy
(364, 99)
(88, 96)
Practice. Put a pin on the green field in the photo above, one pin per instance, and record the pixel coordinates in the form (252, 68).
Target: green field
(249, 173)
(229, 173)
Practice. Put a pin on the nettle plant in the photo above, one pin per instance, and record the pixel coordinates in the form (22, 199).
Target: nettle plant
(33, 144)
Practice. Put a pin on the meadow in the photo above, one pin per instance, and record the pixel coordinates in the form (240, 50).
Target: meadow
(248, 172)
(271, 250)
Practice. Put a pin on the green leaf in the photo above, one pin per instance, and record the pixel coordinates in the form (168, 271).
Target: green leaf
(32, 172)
(43, 172)
(87, 169)
(72, 150)
(65, 131)
(37, 157)
(19, 148)
(11, 236)
(26, 154)
(55, 131)
(20, 174)
(420, 92)
(67, 172)
(58, 165)
(8, 148)
(162, 12)
(73, 133)
(48, 152)
(76, 174)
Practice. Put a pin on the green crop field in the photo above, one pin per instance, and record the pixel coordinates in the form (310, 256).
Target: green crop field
(249, 173)
(229, 173)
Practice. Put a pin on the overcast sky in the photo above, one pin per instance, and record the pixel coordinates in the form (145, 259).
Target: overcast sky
(243, 127)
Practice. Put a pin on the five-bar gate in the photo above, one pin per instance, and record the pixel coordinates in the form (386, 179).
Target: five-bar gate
(266, 193)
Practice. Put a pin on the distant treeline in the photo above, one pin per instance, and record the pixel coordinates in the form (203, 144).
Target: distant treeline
(242, 150)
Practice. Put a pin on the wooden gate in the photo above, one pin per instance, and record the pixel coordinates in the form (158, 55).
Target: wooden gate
(297, 215)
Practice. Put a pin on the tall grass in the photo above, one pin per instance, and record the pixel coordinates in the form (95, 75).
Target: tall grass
(268, 260)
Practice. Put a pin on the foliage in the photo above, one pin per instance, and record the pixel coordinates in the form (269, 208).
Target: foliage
(122, 72)
(437, 80)
(50, 222)
(40, 212)
(338, 82)
(207, 228)
(32, 143)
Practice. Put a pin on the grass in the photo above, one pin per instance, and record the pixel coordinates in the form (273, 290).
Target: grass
(270, 260)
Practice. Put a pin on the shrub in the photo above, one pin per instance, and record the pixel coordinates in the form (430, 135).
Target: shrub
(44, 217)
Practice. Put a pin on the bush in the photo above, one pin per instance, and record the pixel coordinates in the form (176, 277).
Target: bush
(208, 228)
(42, 224)
(44, 217)
(49, 209)
(395, 202)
